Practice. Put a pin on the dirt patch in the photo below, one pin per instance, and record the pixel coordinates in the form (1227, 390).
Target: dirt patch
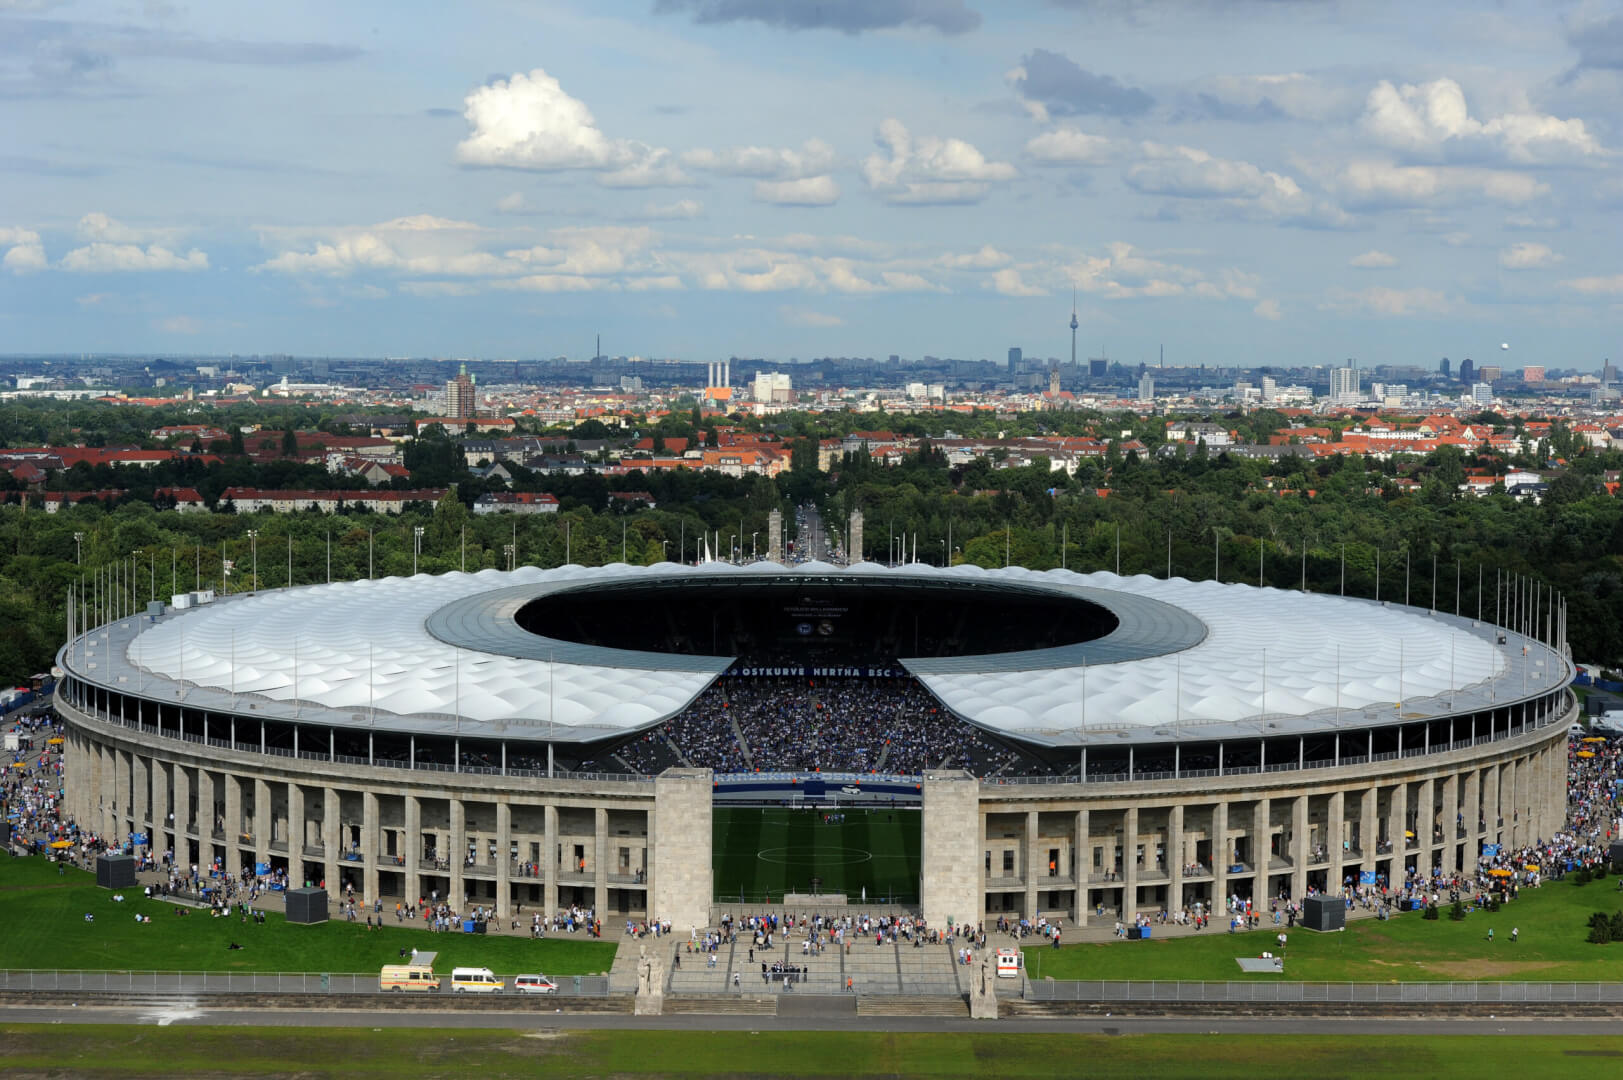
(1487, 969)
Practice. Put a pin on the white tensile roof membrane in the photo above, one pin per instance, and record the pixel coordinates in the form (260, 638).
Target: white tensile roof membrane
(354, 645)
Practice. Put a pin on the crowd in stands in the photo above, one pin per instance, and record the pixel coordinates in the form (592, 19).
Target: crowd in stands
(856, 725)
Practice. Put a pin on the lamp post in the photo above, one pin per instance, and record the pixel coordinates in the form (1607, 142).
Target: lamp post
(663, 544)
(753, 535)
(508, 550)
(78, 539)
(416, 546)
(253, 544)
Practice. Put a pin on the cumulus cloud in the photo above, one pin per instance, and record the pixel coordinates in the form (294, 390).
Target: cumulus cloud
(530, 122)
(588, 250)
(847, 16)
(1288, 96)
(765, 163)
(1596, 286)
(418, 245)
(987, 258)
(1599, 42)
(1008, 282)
(805, 317)
(1125, 273)
(24, 251)
(1373, 260)
(1268, 309)
(1383, 185)
(1185, 172)
(1068, 146)
(929, 170)
(680, 210)
(810, 191)
(1528, 256)
(1432, 120)
(1052, 84)
(1388, 303)
(105, 258)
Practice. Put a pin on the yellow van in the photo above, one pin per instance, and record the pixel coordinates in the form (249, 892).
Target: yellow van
(399, 977)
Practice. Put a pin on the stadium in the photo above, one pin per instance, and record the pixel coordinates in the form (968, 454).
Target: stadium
(657, 741)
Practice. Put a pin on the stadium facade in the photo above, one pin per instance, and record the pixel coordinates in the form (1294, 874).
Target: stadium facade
(436, 734)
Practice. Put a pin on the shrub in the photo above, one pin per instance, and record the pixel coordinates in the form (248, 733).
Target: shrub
(1600, 928)
(1430, 912)
(1457, 912)
(1493, 903)
(1582, 877)
(1601, 870)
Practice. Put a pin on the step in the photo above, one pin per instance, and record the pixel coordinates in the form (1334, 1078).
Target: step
(721, 1005)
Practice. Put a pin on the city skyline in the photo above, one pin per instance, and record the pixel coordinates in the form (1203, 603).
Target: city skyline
(1253, 183)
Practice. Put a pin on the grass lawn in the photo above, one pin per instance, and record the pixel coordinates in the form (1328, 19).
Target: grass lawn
(1553, 922)
(98, 1051)
(43, 913)
(760, 851)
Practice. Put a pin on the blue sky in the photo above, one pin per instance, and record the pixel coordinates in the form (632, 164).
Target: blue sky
(1252, 181)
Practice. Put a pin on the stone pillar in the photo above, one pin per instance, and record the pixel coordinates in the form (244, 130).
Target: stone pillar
(1081, 866)
(1129, 865)
(952, 872)
(141, 797)
(371, 850)
(1492, 776)
(1450, 822)
(296, 826)
(1398, 818)
(1510, 805)
(262, 821)
(1033, 859)
(457, 846)
(332, 842)
(1175, 857)
(1472, 810)
(1261, 853)
(411, 849)
(182, 809)
(1221, 857)
(550, 863)
(206, 814)
(1334, 849)
(112, 810)
(1369, 828)
(504, 858)
(600, 865)
(162, 828)
(233, 822)
(121, 794)
(1425, 826)
(1300, 848)
(682, 847)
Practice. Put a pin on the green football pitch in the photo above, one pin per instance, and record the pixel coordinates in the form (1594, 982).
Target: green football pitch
(761, 853)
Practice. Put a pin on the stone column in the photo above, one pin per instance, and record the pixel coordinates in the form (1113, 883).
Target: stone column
(1510, 804)
(682, 847)
(206, 815)
(112, 811)
(1450, 822)
(550, 863)
(1336, 827)
(600, 867)
(1472, 811)
(1081, 866)
(1220, 853)
(504, 858)
(1398, 817)
(1129, 865)
(141, 797)
(262, 821)
(1301, 838)
(182, 809)
(952, 885)
(1425, 826)
(1492, 776)
(1032, 860)
(162, 827)
(457, 845)
(233, 822)
(295, 834)
(1262, 853)
(1175, 858)
(371, 850)
(1369, 828)
(412, 849)
(332, 843)
(121, 794)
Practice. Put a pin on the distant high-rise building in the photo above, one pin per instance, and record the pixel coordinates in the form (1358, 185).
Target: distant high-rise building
(1442, 368)
(1098, 367)
(1608, 374)
(771, 386)
(1532, 373)
(1014, 359)
(1467, 371)
(1482, 393)
(1146, 387)
(1344, 385)
(1489, 373)
(1270, 387)
(460, 399)
(1053, 385)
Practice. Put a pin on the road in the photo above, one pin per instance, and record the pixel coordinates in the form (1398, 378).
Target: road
(182, 1014)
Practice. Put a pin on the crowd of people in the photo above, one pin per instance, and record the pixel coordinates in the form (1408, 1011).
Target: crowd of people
(838, 724)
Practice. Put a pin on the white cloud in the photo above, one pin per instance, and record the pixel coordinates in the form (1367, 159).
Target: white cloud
(808, 191)
(438, 288)
(1373, 260)
(512, 203)
(592, 250)
(1186, 172)
(418, 245)
(179, 324)
(987, 258)
(1008, 282)
(96, 226)
(554, 283)
(102, 258)
(928, 170)
(1596, 286)
(529, 122)
(1068, 146)
(1288, 96)
(24, 251)
(1381, 184)
(765, 163)
(1528, 256)
(798, 316)
(1268, 309)
(680, 210)
(907, 281)
(1432, 119)
(1389, 303)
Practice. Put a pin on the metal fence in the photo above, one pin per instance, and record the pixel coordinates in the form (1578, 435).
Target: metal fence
(236, 982)
(1380, 993)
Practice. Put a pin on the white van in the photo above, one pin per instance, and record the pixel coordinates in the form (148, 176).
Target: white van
(476, 981)
(534, 984)
(1008, 964)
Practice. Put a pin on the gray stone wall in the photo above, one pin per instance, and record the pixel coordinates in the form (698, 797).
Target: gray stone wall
(681, 848)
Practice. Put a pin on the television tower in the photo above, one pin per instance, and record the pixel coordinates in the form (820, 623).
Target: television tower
(1073, 328)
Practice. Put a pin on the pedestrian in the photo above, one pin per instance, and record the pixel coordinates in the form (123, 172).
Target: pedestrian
(1514, 932)
(1490, 933)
